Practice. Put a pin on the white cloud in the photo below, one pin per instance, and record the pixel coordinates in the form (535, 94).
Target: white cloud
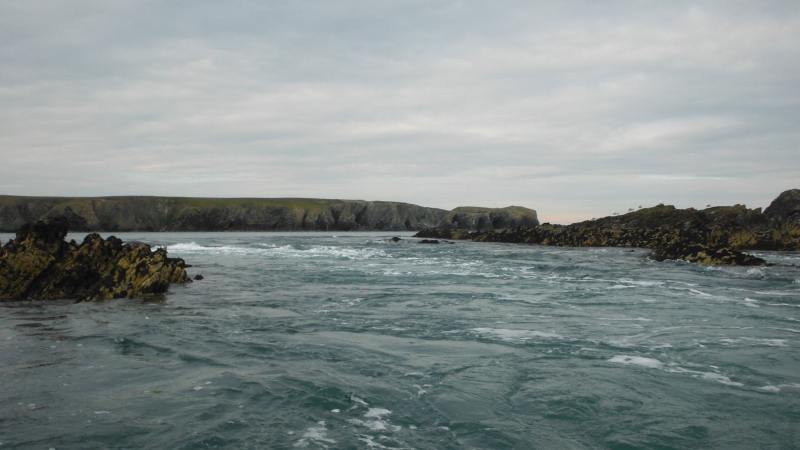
(439, 104)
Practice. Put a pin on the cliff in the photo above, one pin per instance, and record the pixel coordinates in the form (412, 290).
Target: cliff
(39, 264)
(217, 214)
(710, 236)
(483, 219)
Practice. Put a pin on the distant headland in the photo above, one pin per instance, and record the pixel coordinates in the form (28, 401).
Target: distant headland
(140, 213)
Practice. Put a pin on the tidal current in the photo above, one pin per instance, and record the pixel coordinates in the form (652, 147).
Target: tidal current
(352, 341)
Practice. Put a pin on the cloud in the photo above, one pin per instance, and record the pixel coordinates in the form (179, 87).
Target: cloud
(569, 108)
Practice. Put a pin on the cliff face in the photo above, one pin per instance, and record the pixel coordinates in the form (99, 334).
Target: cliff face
(484, 219)
(39, 264)
(198, 214)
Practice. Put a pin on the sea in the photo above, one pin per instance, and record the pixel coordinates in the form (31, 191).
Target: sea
(352, 341)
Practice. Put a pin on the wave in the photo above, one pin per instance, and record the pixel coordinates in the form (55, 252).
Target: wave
(317, 251)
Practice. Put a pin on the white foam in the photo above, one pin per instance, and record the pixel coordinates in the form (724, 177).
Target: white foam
(641, 283)
(516, 335)
(770, 389)
(102, 412)
(786, 329)
(640, 319)
(719, 378)
(368, 440)
(378, 424)
(353, 398)
(187, 247)
(636, 360)
(316, 435)
(751, 303)
(317, 251)
(377, 412)
(700, 293)
(374, 425)
(706, 375)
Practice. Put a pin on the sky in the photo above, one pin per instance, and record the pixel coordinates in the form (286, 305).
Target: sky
(575, 108)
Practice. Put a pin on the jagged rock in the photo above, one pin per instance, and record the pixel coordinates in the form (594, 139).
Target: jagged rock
(483, 219)
(39, 264)
(198, 277)
(428, 241)
(395, 239)
(785, 208)
(711, 236)
(703, 254)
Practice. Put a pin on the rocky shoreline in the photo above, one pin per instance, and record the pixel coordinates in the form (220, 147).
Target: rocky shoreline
(40, 264)
(716, 235)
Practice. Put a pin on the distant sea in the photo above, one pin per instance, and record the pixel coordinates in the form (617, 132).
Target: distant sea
(351, 341)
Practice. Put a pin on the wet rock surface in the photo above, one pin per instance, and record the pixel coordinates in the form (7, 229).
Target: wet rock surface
(40, 264)
(711, 236)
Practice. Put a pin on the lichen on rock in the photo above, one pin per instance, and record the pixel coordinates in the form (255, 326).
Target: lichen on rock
(40, 264)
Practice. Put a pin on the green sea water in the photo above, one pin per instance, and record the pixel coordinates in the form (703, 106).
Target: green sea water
(351, 341)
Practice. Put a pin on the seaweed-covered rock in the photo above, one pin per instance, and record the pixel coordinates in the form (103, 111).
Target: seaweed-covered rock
(39, 264)
(710, 236)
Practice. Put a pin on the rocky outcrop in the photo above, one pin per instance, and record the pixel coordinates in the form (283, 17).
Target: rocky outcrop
(217, 214)
(485, 219)
(710, 236)
(40, 264)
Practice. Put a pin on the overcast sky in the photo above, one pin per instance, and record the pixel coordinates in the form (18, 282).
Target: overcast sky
(575, 109)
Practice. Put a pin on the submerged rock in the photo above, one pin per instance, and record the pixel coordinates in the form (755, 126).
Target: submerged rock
(428, 241)
(40, 264)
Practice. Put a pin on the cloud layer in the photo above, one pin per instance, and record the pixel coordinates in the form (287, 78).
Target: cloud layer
(573, 109)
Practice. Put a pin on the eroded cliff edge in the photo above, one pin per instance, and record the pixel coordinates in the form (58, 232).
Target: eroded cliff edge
(711, 236)
(40, 264)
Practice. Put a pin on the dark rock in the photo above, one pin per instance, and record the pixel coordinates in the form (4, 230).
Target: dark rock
(428, 241)
(485, 219)
(395, 239)
(39, 264)
(703, 254)
(712, 236)
(217, 214)
(785, 208)
(198, 277)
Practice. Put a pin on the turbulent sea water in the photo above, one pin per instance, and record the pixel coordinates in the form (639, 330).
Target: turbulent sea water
(351, 341)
